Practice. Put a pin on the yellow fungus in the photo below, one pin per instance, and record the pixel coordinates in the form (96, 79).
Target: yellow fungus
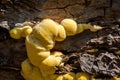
(46, 31)
(19, 32)
(36, 52)
(51, 61)
(40, 39)
(27, 30)
(60, 77)
(30, 72)
(69, 76)
(46, 70)
(61, 33)
(16, 33)
(82, 76)
(82, 27)
(70, 26)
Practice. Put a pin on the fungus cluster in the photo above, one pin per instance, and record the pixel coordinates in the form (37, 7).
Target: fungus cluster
(20, 31)
(40, 39)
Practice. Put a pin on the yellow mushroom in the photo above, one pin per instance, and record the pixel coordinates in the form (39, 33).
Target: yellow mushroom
(82, 27)
(58, 57)
(51, 61)
(27, 30)
(40, 39)
(47, 70)
(61, 33)
(69, 76)
(16, 33)
(30, 72)
(52, 77)
(46, 31)
(39, 44)
(60, 77)
(82, 76)
(36, 52)
(19, 32)
(70, 26)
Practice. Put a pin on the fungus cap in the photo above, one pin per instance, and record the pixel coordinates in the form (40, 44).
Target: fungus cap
(82, 76)
(46, 31)
(27, 30)
(52, 61)
(69, 76)
(61, 33)
(59, 77)
(46, 27)
(70, 26)
(36, 52)
(29, 72)
(16, 33)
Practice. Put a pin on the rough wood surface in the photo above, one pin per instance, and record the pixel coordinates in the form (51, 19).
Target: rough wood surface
(12, 52)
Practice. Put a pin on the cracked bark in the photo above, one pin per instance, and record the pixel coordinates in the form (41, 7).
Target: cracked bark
(12, 52)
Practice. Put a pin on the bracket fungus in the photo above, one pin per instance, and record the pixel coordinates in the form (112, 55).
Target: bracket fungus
(40, 39)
